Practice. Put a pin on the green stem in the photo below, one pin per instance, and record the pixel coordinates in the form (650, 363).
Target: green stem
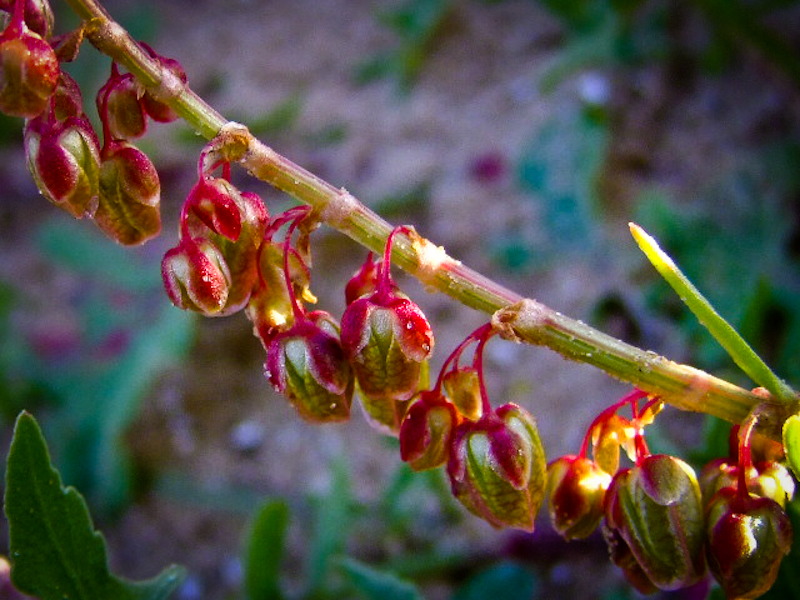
(520, 319)
(738, 349)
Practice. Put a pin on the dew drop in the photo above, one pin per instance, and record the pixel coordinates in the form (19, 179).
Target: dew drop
(409, 325)
(426, 347)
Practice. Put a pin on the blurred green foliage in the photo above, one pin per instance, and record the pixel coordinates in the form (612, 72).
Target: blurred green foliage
(93, 357)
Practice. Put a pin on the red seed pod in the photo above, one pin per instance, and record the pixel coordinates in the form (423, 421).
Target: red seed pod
(125, 114)
(576, 487)
(746, 540)
(363, 282)
(427, 431)
(130, 195)
(306, 364)
(620, 554)
(216, 204)
(497, 467)
(386, 337)
(38, 15)
(196, 277)
(656, 508)
(67, 98)
(158, 110)
(28, 71)
(63, 158)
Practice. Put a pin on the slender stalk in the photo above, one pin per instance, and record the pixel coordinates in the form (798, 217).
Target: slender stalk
(519, 319)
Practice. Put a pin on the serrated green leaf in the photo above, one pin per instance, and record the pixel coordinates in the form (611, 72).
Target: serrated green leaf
(264, 551)
(378, 585)
(505, 580)
(791, 443)
(56, 554)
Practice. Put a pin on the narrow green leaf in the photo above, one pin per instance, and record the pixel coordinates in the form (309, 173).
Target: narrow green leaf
(505, 580)
(55, 552)
(791, 443)
(333, 520)
(378, 585)
(264, 550)
(741, 353)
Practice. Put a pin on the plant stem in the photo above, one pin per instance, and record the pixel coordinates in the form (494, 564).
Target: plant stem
(519, 319)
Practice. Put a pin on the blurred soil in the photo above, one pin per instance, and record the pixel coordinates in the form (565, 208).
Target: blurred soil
(215, 425)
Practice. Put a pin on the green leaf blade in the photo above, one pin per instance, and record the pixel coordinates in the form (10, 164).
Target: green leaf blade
(264, 551)
(378, 585)
(56, 554)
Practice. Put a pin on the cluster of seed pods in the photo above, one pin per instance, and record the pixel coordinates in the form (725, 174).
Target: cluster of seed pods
(664, 526)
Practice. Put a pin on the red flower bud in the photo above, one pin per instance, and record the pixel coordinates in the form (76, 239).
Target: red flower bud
(130, 194)
(427, 431)
(747, 537)
(196, 277)
(576, 487)
(28, 71)
(497, 467)
(63, 158)
(363, 282)
(656, 508)
(307, 365)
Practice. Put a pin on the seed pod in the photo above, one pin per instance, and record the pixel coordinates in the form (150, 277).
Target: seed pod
(196, 277)
(576, 487)
(767, 479)
(427, 431)
(386, 337)
(125, 114)
(497, 467)
(28, 72)
(363, 282)
(620, 554)
(158, 110)
(236, 222)
(747, 537)
(63, 158)
(38, 16)
(307, 365)
(462, 386)
(130, 194)
(656, 508)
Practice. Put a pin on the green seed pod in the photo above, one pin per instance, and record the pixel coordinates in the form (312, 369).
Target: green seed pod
(497, 467)
(462, 386)
(746, 539)
(306, 364)
(130, 194)
(427, 431)
(656, 507)
(576, 487)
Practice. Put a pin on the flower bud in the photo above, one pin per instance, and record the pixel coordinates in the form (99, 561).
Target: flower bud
(656, 508)
(28, 72)
(497, 467)
(63, 158)
(38, 15)
(306, 364)
(386, 338)
(130, 194)
(125, 115)
(196, 277)
(427, 431)
(747, 537)
(576, 487)
(463, 387)
(216, 204)
(767, 479)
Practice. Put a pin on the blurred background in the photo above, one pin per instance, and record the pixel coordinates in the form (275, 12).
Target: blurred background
(523, 135)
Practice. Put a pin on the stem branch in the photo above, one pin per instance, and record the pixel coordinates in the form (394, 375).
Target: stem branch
(519, 319)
